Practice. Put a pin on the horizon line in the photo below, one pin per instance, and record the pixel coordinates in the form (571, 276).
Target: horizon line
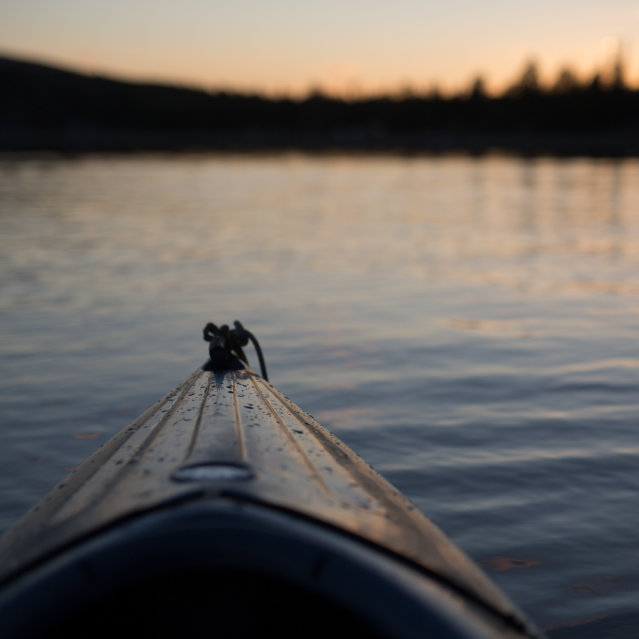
(604, 74)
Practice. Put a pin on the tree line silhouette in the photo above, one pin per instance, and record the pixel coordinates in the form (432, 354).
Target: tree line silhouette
(43, 107)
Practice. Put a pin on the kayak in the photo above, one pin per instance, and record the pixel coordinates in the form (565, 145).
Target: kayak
(227, 510)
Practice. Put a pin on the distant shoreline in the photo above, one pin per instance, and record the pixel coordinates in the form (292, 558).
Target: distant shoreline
(603, 144)
(43, 108)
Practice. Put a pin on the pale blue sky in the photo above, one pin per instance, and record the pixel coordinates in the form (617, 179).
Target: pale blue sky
(286, 45)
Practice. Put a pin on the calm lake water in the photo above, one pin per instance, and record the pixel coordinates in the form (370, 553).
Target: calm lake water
(468, 326)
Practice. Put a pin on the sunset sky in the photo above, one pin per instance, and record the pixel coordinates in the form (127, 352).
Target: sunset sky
(352, 46)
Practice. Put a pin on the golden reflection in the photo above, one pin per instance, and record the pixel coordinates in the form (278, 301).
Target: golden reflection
(601, 365)
(601, 586)
(573, 623)
(28, 462)
(500, 328)
(544, 225)
(503, 564)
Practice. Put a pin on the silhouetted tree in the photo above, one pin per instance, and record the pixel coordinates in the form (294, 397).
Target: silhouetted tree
(478, 89)
(528, 82)
(618, 80)
(567, 82)
(596, 84)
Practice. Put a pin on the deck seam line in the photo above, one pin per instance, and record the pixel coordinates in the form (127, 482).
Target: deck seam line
(196, 430)
(292, 439)
(238, 422)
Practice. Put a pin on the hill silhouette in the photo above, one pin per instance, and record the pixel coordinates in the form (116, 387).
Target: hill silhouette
(48, 108)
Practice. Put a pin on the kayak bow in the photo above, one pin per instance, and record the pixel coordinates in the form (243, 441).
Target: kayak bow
(226, 509)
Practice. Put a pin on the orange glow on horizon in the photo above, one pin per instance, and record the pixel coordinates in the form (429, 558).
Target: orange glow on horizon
(348, 50)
